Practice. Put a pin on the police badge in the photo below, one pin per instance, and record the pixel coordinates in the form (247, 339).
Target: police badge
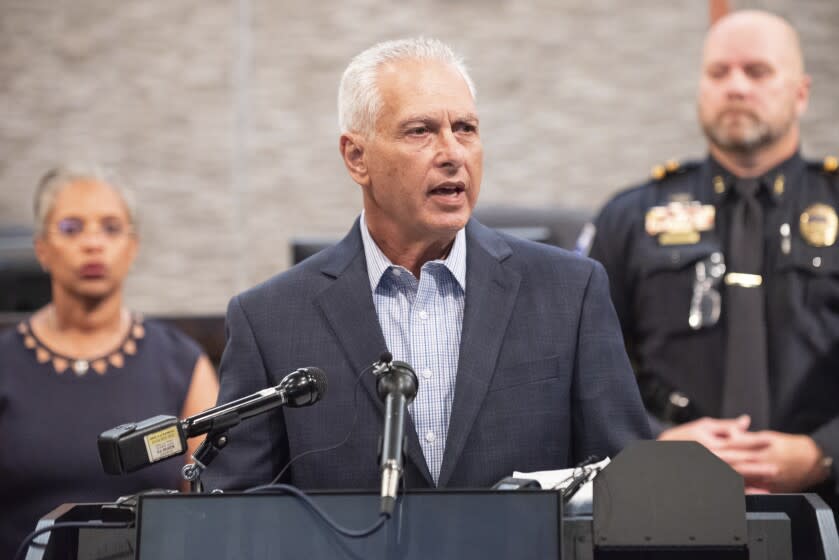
(818, 224)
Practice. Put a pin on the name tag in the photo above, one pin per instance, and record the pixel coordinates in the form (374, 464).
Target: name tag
(679, 223)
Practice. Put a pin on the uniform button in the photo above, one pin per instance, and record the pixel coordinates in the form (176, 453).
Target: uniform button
(426, 373)
(423, 315)
(817, 261)
(430, 436)
(396, 272)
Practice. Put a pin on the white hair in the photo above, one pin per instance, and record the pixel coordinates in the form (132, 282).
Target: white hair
(57, 178)
(359, 99)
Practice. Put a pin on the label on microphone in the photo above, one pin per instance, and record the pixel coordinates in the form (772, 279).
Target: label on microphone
(163, 444)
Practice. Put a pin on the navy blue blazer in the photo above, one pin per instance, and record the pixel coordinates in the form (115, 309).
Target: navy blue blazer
(543, 379)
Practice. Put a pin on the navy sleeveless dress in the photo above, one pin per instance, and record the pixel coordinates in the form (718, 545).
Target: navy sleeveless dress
(53, 408)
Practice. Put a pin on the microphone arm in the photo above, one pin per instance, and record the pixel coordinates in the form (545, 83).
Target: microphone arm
(133, 446)
(397, 387)
(302, 387)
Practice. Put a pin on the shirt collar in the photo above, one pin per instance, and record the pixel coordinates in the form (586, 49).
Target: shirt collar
(378, 263)
(776, 180)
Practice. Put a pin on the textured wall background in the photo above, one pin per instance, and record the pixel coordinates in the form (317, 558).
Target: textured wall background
(222, 114)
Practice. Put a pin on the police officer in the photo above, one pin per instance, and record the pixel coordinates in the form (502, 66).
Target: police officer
(725, 272)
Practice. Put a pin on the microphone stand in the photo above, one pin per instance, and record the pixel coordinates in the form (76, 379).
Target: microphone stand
(302, 387)
(209, 449)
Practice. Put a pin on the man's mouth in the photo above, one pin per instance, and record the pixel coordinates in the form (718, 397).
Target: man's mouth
(737, 112)
(448, 189)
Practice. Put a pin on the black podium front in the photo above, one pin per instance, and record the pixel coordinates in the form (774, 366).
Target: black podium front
(471, 524)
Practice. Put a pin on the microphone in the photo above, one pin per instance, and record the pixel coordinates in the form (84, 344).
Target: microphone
(130, 447)
(664, 401)
(397, 387)
(303, 387)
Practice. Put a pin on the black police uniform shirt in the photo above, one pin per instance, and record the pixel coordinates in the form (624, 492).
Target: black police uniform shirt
(653, 280)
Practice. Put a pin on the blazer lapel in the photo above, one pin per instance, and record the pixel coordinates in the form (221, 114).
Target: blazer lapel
(348, 307)
(491, 291)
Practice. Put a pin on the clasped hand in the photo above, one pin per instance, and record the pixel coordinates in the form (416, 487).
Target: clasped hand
(768, 461)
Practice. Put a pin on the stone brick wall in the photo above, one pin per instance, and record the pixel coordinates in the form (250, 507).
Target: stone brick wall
(222, 114)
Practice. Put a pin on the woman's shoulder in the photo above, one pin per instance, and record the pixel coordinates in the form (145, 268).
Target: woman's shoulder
(7, 334)
(11, 337)
(169, 340)
(14, 355)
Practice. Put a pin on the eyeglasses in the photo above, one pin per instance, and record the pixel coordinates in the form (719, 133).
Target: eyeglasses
(76, 228)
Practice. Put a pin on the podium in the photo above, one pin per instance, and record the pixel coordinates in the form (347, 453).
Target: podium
(427, 524)
(656, 500)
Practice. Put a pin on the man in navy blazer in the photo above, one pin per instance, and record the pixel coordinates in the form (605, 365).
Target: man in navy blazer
(518, 349)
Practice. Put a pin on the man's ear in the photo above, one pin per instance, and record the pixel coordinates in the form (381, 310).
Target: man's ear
(351, 146)
(803, 94)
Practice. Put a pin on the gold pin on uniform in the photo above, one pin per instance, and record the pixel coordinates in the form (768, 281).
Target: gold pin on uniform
(743, 280)
(818, 224)
(661, 171)
(658, 172)
(779, 184)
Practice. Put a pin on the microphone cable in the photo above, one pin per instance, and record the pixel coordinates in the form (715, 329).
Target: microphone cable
(300, 495)
(331, 447)
(274, 487)
(21, 550)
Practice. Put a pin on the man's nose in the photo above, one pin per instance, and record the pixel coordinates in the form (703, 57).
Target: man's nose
(450, 151)
(738, 84)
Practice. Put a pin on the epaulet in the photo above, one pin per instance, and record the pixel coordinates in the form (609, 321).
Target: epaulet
(830, 164)
(671, 167)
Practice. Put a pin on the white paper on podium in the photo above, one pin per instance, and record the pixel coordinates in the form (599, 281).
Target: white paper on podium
(561, 478)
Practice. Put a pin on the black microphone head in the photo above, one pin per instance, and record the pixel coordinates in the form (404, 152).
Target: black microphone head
(399, 378)
(304, 387)
(386, 357)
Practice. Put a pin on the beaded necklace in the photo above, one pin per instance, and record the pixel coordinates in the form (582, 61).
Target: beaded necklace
(82, 365)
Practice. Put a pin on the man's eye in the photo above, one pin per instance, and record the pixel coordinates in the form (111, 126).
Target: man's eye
(70, 226)
(758, 71)
(418, 130)
(717, 72)
(466, 127)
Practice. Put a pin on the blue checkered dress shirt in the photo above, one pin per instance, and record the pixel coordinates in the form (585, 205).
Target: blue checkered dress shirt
(421, 321)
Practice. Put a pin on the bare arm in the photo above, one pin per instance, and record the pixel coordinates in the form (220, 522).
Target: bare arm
(201, 395)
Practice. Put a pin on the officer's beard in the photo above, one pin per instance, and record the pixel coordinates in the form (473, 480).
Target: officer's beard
(746, 139)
